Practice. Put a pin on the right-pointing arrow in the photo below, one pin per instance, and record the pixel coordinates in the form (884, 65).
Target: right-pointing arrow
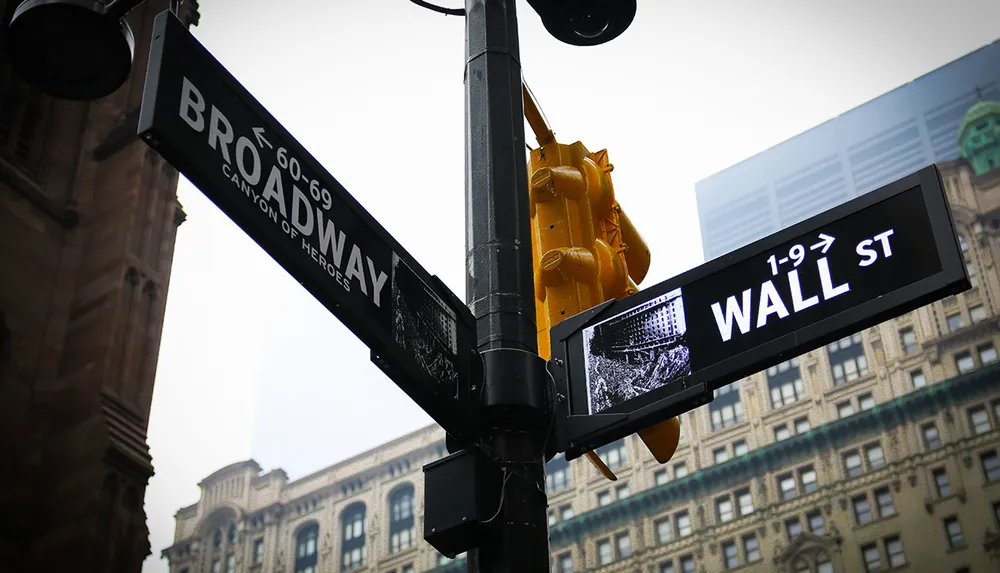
(824, 243)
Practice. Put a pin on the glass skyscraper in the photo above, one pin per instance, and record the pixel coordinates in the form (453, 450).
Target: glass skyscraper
(873, 144)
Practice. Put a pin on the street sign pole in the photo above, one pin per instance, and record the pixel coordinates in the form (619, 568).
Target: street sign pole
(500, 293)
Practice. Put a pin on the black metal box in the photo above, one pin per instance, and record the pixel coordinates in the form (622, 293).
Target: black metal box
(461, 491)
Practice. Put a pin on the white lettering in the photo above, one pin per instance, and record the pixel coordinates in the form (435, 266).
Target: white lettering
(864, 250)
(192, 101)
(797, 302)
(327, 234)
(378, 281)
(223, 137)
(355, 269)
(734, 311)
(242, 145)
(770, 303)
(884, 238)
(298, 198)
(274, 190)
(829, 291)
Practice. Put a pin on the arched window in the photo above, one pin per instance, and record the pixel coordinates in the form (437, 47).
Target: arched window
(401, 531)
(353, 552)
(305, 549)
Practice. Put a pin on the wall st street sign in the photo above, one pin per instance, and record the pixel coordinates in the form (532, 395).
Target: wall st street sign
(205, 123)
(627, 364)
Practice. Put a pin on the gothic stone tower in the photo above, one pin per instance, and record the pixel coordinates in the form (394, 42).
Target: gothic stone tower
(88, 219)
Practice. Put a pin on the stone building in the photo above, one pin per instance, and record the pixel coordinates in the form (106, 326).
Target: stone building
(88, 218)
(878, 452)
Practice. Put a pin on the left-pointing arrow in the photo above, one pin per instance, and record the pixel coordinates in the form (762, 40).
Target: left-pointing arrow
(261, 141)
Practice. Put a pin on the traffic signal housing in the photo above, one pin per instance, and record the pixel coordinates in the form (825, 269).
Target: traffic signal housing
(585, 250)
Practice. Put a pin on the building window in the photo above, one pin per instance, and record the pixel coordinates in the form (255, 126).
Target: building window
(908, 340)
(667, 567)
(622, 491)
(894, 550)
(802, 425)
(807, 479)
(566, 512)
(852, 464)
(720, 455)
(664, 531)
(786, 483)
(724, 509)
(977, 313)
(687, 564)
(824, 566)
(683, 524)
(730, 555)
(862, 510)
(623, 543)
(991, 465)
(941, 482)
(845, 409)
(565, 563)
(605, 553)
(793, 527)
(847, 359)
(680, 470)
(305, 549)
(23, 119)
(953, 529)
(918, 379)
(979, 420)
(231, 564)
(745, 501)
(866, 402)
(751, 548)
(785, 383)
(726, 409)
(872, 557)
(883, 497)
(216, 566)
(402, 532)
(740, 448)
(603, 498)
(258, 551)
(931, 437)
(817, 525)
(987, 354)
(552, 519)
(557, 474)
(613, 455)
(955, 321)
(661, 477)
(353, 550)
(217, 539)
(875, 455)
(964, 362)
(781, 432)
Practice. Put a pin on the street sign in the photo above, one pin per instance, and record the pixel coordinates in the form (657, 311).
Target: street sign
(627, 364)
(205, 123)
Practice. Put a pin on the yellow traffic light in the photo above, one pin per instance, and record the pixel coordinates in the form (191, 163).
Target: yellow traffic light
(585, 249)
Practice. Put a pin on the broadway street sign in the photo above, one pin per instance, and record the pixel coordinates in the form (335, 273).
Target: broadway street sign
(627, 364)
(210, 128)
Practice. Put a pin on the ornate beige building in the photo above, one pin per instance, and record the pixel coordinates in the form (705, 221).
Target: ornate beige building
(878, 452)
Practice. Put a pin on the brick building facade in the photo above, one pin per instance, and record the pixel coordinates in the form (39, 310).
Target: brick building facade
(88, 219)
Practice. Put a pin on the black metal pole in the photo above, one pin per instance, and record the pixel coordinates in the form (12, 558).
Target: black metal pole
(500, 292)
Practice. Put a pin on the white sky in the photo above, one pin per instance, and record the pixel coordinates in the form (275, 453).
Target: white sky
(252, 366)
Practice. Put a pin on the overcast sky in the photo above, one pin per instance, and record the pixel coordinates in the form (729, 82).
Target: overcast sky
(252, 366)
